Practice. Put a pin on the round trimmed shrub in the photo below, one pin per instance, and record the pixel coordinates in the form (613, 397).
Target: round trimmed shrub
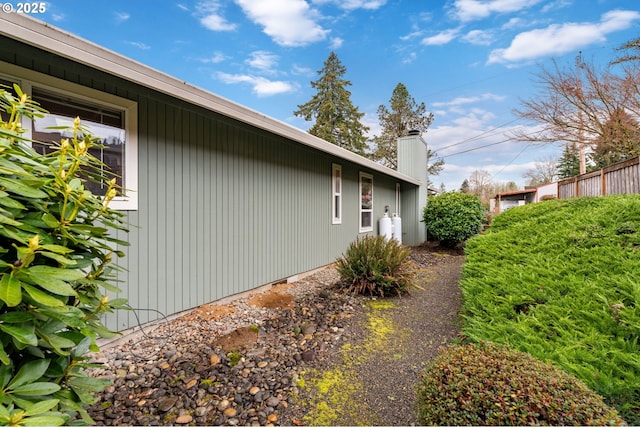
(488, 384)
(453, 217)
(376, 266)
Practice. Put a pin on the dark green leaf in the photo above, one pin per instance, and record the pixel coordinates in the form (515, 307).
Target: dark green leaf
(89, 383)
(50, 283)
(65, 274)
(29, 372)
(55, 419)
(69, 315)
(42, 298)
(25, 335)
(41, 407)
(10, 290)
(21, 189)
(59, 258)
(16, 317)
(36, 389)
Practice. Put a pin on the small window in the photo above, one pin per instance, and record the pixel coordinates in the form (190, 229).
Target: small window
(110, 118)
(366, 202)
(106, 124)
(336, 204)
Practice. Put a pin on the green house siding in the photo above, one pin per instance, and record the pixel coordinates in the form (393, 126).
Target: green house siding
(223, 206)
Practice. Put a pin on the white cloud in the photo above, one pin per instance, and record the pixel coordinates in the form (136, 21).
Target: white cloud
(410, 58)
(441, 38)
(469, 100)
(262, 87)
(353, 4)
(287, 22)
(217, 23)
(560, 39)
(121, 17)
(472, 10)
(479, 37)
(263, 61)
(140, 45)
(216, 58)
(302, 71)
(336, 43)
(210, 18)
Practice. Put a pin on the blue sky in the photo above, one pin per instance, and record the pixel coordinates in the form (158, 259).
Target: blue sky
(470, 61)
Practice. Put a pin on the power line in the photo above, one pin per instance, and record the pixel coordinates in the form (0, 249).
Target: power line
(485, 133)
(478, 148)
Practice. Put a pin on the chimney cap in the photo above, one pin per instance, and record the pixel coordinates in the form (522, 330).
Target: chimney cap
(414, 132)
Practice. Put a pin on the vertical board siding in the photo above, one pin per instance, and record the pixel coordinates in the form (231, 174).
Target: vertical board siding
(223, 207)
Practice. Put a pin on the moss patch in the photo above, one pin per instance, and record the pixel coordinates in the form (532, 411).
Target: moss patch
(336, 393)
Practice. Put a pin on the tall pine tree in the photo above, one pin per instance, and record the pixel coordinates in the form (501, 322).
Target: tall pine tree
(337, 120)
(404, 114)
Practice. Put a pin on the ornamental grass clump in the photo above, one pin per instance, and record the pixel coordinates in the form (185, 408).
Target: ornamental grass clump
(488, 384)
(375, 266)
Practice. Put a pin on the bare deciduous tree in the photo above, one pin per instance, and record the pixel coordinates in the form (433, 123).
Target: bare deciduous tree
(580, 104)
(544, 171)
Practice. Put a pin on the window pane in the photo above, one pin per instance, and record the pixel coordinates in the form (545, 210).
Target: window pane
(366, 219)
(366, 193)
(336, 204)
(104, 124)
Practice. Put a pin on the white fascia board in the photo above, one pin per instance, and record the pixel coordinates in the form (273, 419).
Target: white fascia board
(46, 37)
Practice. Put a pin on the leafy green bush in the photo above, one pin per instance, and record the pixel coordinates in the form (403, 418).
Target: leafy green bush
(375, 266)
(560, 280)
(486, 384)
(453, 217)
(55, 259)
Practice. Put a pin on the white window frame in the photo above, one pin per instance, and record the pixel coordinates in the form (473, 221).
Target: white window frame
(27, 79)
(362, 210)
(336, 191)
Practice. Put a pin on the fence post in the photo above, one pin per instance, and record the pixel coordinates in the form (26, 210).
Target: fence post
(603, 183)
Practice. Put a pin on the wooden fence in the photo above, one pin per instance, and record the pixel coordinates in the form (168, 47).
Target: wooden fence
(619, 178)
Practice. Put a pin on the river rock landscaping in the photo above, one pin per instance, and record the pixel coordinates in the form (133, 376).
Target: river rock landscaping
(247, 362)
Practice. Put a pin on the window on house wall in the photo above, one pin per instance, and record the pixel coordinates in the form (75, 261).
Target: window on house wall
(111, 119)
(105, 124)
(366, 202)
(336, 204)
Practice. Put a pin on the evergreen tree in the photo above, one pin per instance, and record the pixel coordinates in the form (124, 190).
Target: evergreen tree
(404, 114)
(569, 162)
(337, 120)
(619, 140)
(464, 187)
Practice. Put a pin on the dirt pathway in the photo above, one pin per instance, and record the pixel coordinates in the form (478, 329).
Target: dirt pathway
(372, 382)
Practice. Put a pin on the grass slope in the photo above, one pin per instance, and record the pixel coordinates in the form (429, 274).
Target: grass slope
(561, 280)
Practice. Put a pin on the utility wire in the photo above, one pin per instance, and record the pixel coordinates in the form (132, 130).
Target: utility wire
(483, 134)
(477, 148)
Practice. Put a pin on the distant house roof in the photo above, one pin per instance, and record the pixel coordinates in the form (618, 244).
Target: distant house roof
(51, 39)
(515, 193)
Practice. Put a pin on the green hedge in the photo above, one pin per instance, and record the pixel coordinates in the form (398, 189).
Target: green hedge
(561, 280)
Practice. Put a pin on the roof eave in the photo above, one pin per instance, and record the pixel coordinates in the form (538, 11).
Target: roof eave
(44, 36)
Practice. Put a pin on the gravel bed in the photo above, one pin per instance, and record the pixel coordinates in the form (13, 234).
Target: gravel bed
(240, 363)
